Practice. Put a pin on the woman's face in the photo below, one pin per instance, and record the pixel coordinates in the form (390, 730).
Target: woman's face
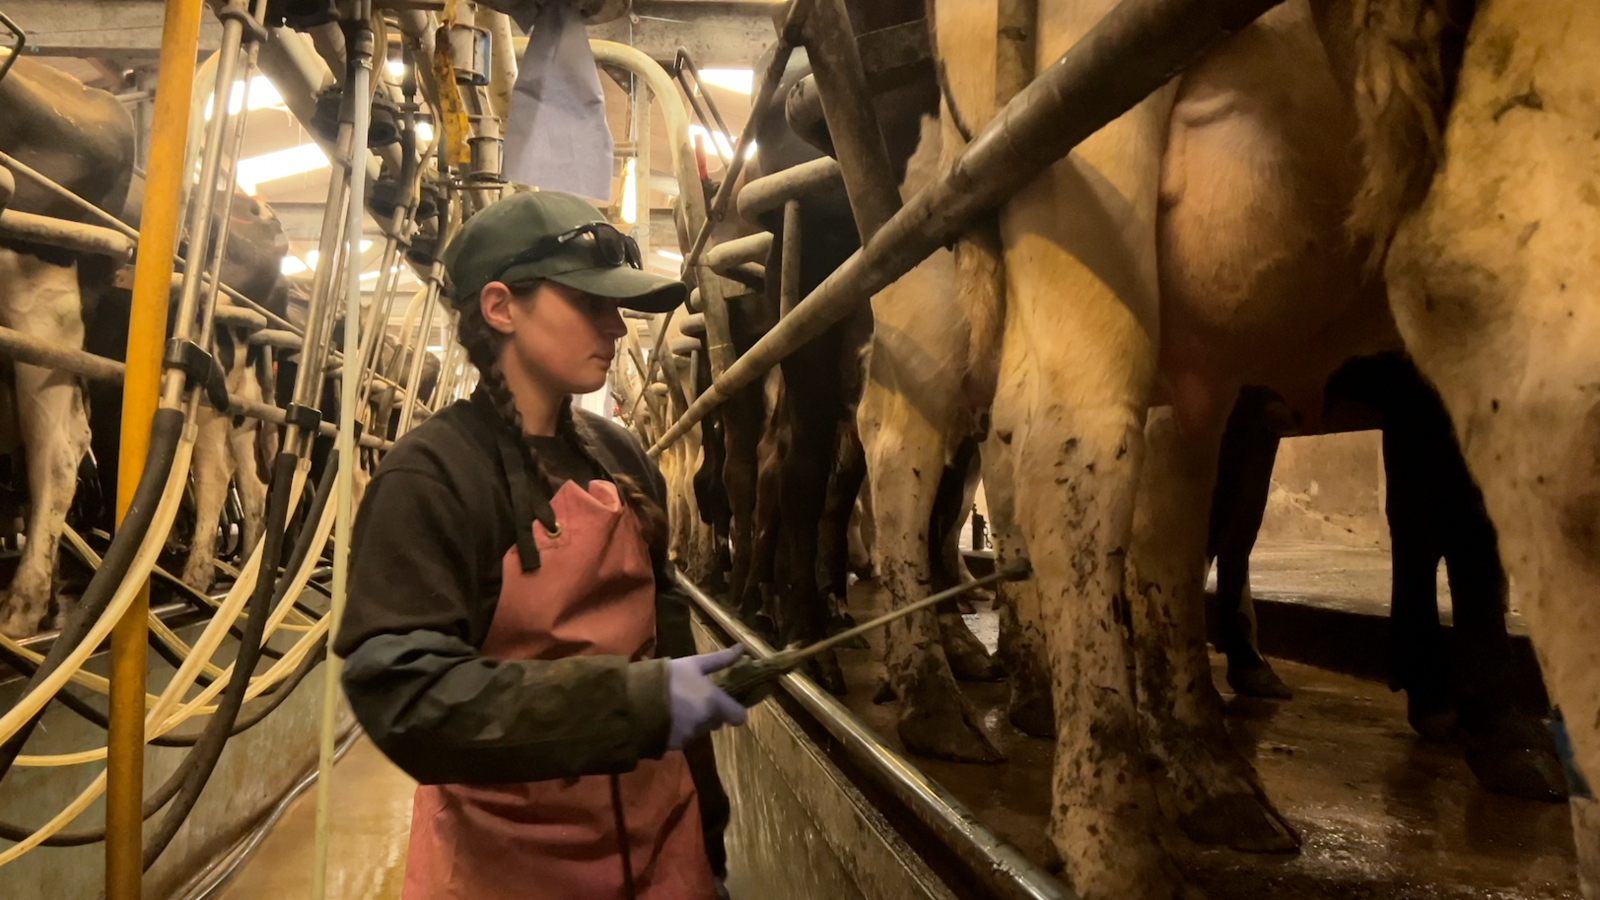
(561, 337)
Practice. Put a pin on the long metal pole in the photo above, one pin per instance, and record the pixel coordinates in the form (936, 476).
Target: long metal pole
(359, 103)
(1139, 46)
(147, 327)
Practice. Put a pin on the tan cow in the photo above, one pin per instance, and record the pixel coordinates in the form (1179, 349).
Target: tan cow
(1199, 241)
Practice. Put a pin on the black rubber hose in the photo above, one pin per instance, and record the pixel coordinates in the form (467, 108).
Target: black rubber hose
(208, 748)
(165, 429)
(186, 770)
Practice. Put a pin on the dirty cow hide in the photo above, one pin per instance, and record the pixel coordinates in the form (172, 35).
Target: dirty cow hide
(83, 139)
(1494, 285)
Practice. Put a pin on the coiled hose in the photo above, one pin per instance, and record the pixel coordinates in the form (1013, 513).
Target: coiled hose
(166, 427)
(208, 748)
(196, 768)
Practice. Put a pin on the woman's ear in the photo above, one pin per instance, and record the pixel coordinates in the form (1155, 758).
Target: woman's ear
(494, 301)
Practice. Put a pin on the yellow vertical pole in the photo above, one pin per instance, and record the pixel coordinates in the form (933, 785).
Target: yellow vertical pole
(147, 329)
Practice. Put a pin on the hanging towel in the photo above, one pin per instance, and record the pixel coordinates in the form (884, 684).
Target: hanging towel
(556, 136)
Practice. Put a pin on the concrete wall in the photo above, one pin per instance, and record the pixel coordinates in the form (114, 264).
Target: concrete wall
(255, 770)
(1328, 489)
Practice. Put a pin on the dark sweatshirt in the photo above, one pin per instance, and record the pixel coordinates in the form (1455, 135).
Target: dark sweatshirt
(425, 562)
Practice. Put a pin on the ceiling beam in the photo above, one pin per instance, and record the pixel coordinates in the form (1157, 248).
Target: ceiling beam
(717, 33)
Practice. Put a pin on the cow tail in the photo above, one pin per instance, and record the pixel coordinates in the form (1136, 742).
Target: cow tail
(1407, 56)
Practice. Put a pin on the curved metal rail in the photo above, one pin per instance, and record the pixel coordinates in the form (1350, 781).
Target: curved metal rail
(996, 863)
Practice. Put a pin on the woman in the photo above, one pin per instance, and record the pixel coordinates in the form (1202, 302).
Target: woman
(508, 597)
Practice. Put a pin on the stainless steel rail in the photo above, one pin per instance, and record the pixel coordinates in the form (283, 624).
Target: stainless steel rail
(997, 864)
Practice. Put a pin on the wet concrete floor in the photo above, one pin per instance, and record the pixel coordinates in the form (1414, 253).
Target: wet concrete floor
(1381, 813)
(367, 852)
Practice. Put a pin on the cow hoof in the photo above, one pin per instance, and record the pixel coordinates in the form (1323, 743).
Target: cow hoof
(950, 735)
(1034, 716)
(885, 693)
(1525, 772)
(1245, 822)
(1257, 680)
(824, 670)
(969, 661)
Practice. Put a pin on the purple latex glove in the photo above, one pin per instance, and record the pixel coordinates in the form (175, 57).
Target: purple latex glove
(698, 706)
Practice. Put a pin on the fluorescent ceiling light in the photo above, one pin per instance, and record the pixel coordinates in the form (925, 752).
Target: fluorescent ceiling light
(262, 95)
(436, 348)
(741, 80)
(675, 257)
(395, 67)
(718, 141)
(279, 164)
(370, 276)
(424, 131)
(292, 265)
(311, 258)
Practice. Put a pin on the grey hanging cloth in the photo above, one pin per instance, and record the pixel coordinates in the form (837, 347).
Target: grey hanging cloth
(556, 136)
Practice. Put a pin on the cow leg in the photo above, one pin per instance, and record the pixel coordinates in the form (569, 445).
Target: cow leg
(243, 440)
(1496, 289)
(968, 658)
(1076, 370)
(1218, 798)
(42, 300)
(905, 453)
(1022, 620)
(1244, 478)
(833, 547)
(212, 468)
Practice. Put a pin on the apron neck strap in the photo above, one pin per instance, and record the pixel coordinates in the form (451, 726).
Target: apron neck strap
(530, 494)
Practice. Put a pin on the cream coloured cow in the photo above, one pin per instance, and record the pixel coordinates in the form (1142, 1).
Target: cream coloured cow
(1199, 241)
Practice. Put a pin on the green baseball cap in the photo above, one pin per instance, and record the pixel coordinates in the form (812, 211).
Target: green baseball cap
(559, 237)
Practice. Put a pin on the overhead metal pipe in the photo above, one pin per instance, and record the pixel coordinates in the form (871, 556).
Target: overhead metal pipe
(749, 249)
(1138, 47)
(769, 192)
(852, 120)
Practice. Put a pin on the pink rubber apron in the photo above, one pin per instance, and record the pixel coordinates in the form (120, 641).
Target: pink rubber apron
(593, 593)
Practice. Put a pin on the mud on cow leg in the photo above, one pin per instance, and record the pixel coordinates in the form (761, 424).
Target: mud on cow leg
(1495, 286)
(969, 659)
(905, 458)
(42, 300)
(1216, 794)
(1022, 639)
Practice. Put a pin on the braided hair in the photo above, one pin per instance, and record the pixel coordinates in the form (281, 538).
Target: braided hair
(483, 344)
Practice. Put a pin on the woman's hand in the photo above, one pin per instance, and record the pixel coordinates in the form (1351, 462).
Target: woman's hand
(698, 706)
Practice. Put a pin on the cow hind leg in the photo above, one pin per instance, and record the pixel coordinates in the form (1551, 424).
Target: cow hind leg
(1022, 638)
(213, 467)
(968, 658)
(1238, 504)
(1218, 798)
(1496, 289)
(42, 300)
(905, 459)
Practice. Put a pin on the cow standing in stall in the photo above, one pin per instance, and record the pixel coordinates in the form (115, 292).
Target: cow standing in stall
(82, 138)
(1199, 242)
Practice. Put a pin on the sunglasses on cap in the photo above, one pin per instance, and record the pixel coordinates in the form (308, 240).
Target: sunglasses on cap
(598, 245)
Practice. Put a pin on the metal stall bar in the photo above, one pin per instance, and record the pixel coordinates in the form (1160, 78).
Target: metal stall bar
(358, 102)
(770, 192)
(852, 122)
(1000, 866)
(147, 327)
(1139, 46)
